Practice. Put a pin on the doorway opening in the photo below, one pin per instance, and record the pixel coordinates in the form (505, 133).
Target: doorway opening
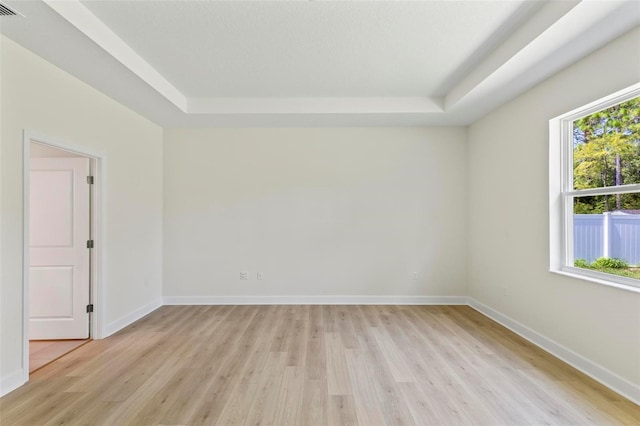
(61, 279)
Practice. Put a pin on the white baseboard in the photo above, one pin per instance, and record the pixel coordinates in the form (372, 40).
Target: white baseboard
(132, 317)
(597, 372)
(11, 382)
(315, 300)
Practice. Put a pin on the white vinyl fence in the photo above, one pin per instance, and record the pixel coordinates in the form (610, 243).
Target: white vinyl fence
(607, 235)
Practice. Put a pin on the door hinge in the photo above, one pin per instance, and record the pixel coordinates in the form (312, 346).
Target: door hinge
(90, 180)
(89, 243)
(90, 308)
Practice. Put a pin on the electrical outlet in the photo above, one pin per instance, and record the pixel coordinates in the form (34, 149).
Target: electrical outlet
(244, 275)
(259, 275)
(414, 276)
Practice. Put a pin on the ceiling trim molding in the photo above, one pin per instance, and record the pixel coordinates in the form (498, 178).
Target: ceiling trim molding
(565, 41)
(545, 18)
(86, 22)
(368, 105)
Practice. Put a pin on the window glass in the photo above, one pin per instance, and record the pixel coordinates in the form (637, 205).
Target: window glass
(607, 241)
(606, 148)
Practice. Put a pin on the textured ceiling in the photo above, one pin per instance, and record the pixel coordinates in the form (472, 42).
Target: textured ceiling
(198, 63)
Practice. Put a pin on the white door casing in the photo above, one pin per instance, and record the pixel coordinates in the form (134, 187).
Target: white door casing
(59, 266)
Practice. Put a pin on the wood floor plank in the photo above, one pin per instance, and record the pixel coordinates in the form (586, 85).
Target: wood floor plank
(314, 403)
(111, 370)
(283, 327)
(263, 410)
(229, 368)
(80, 416)
(329, 318)
(131, 408)
(342, 411)
(171, 404)
(296, 344)
(260, 348)
(315, 362)
(425, 410)
(41, 412)
(344, 326)
(367, 403)
(237, 407)
(19, 403)
(313, 365)
(394, 357)
(290, 397)
(386, 387)
(337, 372)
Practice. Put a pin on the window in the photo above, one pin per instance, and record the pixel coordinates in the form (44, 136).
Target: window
(595, 191)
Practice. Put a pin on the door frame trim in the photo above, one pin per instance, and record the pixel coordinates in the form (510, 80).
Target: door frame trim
(97, 291)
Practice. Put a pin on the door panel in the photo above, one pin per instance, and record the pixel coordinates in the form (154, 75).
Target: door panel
(51, 289)
(51, 192)
(59, 230)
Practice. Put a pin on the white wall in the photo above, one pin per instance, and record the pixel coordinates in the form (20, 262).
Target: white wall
(319, 211)
(508, 221)
(40, 97)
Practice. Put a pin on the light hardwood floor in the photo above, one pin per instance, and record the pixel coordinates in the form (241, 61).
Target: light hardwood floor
(42, 352)
(313, 365)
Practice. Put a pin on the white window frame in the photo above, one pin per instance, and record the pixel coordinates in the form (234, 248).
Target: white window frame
(561, 192)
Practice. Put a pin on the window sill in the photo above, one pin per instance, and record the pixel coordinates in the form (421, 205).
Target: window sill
(609, 280)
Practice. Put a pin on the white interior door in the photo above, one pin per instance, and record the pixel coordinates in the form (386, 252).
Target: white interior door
(59, 230)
